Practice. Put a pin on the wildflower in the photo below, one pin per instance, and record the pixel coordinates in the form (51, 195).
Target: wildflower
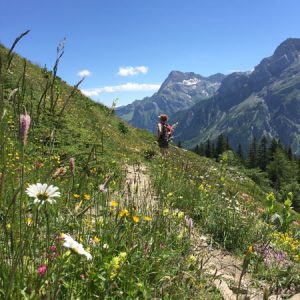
(250, 250)
(42, 270)
(105, 246)
(102, 188)
(75, 246)
(136, 219)
(191, 259)
(53, 248)
(87, 197)
(76, 196)
(96, 240)
(115, 264)
(72, 165)
(113, 204)
(29, 221)
(43, 193)
(146, 218)
(24, 127)
(165, 212)
(180, 215)
(124, 213)
(59, 172)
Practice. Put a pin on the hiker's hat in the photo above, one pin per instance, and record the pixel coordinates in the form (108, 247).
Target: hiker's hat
(163, 117)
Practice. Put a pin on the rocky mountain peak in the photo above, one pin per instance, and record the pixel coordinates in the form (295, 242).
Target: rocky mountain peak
(289, 47)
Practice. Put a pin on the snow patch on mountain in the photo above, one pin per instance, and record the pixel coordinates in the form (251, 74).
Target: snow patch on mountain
(192, 81)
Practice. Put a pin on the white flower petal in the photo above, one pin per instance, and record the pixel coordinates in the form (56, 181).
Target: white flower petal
(44, 188)
(49, 192)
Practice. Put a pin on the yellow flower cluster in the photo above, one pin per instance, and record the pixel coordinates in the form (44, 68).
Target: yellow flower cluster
(288, 243)
(115, 264)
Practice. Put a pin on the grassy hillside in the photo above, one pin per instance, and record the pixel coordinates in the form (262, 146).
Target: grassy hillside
(86, 237)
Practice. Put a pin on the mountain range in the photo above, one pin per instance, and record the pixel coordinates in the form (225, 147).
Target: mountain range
(178, 92)
(265, 101)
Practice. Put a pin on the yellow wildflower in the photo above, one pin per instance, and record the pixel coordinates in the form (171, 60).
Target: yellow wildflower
(96, 240)
(114, 204)
(29, 221)
(76, 196)
(136, 219)
(180, 215)
(165, 212)
(124, 213)
(87, 197)
(250, 250)
(147, 218)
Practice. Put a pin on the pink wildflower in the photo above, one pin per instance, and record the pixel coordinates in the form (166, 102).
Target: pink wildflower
(42, 270)
(24, 127)
(53, 248)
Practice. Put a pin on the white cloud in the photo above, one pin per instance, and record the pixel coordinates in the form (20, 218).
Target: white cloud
(130, 71)
(84, 73)
(127, 87)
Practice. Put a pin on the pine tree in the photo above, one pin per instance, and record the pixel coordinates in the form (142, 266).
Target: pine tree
(262, 155)
(240, 153)
(273, 148)
(221, 145)
(196, 149)
(252, 155)
(202, 149)
(289, 153)
(281, 170)
(208, 149)
(228, 147)
(213, 150)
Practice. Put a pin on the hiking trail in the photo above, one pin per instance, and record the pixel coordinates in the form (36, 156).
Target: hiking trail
(222, 265)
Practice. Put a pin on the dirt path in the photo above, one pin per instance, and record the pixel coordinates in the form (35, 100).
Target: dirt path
(225, 268)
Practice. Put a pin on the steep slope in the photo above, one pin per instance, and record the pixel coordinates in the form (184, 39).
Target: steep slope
(263, 102)
(82, 124)
(179, 91)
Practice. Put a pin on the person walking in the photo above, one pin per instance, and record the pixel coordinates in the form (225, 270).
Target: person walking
(164, 134)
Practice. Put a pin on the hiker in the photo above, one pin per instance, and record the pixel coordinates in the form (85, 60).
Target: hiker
(164, 134)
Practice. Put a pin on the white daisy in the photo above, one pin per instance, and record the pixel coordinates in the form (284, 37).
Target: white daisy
(43, 193)
(75, 246)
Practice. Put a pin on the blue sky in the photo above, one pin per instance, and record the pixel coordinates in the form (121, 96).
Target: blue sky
(128, 47)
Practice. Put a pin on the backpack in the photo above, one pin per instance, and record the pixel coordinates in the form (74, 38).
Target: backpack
(166, 132)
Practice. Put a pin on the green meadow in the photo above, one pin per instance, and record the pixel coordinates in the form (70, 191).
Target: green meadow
(75, 226)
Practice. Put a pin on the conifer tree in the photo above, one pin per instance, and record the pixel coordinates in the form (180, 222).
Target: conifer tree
(228, 147)
(208, 149)
(289, 153)
(262, 155)
(252, 155)
(273, 148)
(221, 145)
(281, 170)
(202, 149)
(196, 149)
(240, 153)
(213, 150)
